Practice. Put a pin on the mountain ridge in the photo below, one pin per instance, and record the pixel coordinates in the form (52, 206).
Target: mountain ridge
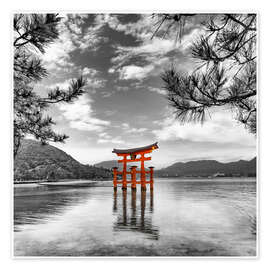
(205, 168)
(46, 162)
(199, 168)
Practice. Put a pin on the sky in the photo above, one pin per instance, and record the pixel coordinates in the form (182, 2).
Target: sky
(125, 104)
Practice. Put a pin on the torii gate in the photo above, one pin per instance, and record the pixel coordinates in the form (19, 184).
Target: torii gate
(125, 153)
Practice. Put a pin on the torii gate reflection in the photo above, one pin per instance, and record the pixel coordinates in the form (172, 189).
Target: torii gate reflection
(136, 221)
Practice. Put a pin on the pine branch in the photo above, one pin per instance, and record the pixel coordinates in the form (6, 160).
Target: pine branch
(36, 29)
(75, 90)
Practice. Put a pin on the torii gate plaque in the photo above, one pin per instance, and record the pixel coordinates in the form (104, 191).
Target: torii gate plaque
(133, 153)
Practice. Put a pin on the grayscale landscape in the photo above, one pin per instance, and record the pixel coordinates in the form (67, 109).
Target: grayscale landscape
(135, 135)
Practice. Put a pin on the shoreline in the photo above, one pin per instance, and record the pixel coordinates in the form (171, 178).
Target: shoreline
(59, 180)
(98, 182)
(66, 182)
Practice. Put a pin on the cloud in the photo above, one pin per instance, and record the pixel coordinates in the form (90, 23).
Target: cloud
(221, 128)
(95, 82)
(85, 37)
(91, 39)
(136, 130)
(138, 29)
(148, 59)
(125, 125)
(122, 88)
(134, 72)
(149, 51)
(80, 115)
(87, 71)
(111, 140)
(110, 92)
(153, 54)
(62, 85)
(93, 77)
(128, 129)
(106, 138)
(73, 35)
(149, 48)
(137, 62)
(157, 90)
(106, 94)
(57, 54)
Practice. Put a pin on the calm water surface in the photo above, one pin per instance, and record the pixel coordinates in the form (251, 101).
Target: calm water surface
(180, 218)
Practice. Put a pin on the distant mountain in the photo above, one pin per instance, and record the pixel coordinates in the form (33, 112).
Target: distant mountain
(205, 168)
(35, 161)
(107, 164)
(110, 164)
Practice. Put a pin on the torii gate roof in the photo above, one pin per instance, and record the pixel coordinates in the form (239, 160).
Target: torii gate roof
(136, 150)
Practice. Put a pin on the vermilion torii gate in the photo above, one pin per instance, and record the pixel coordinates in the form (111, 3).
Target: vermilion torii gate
(133, 153)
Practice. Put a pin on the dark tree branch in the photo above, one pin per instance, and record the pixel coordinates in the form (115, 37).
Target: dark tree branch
(227, 75)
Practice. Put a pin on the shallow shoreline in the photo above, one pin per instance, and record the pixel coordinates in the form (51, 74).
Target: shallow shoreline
(74, 183)
(108, 182)
(59, 180)
(69, 182)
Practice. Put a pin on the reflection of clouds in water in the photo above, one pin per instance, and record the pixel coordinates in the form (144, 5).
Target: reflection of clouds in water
(38, 204)
(211, 212)
(72, 221)
(185, 219)
(203, 214)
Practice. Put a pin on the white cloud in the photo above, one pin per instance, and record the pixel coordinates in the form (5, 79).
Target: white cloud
(149, 48)
(136, 130)
(91, 39)
(106, 94)
(221, 128)
(154, 54)
(106, 138)
(134, 72)
(72, 36)
(128, 129)
(112, 140)
(150, 51)
(94, 79)
(95, 82)
(80, 115)
(157, 90)
(139, 29)
(87, 70)
(125, 125)
(57, 54)
(122, 88)
(62, 85)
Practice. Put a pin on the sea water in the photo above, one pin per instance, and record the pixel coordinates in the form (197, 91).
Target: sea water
(181, 217)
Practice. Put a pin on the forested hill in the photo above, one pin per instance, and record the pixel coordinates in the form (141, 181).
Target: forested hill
(110, 164)
(205, 168)
(35, 161)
